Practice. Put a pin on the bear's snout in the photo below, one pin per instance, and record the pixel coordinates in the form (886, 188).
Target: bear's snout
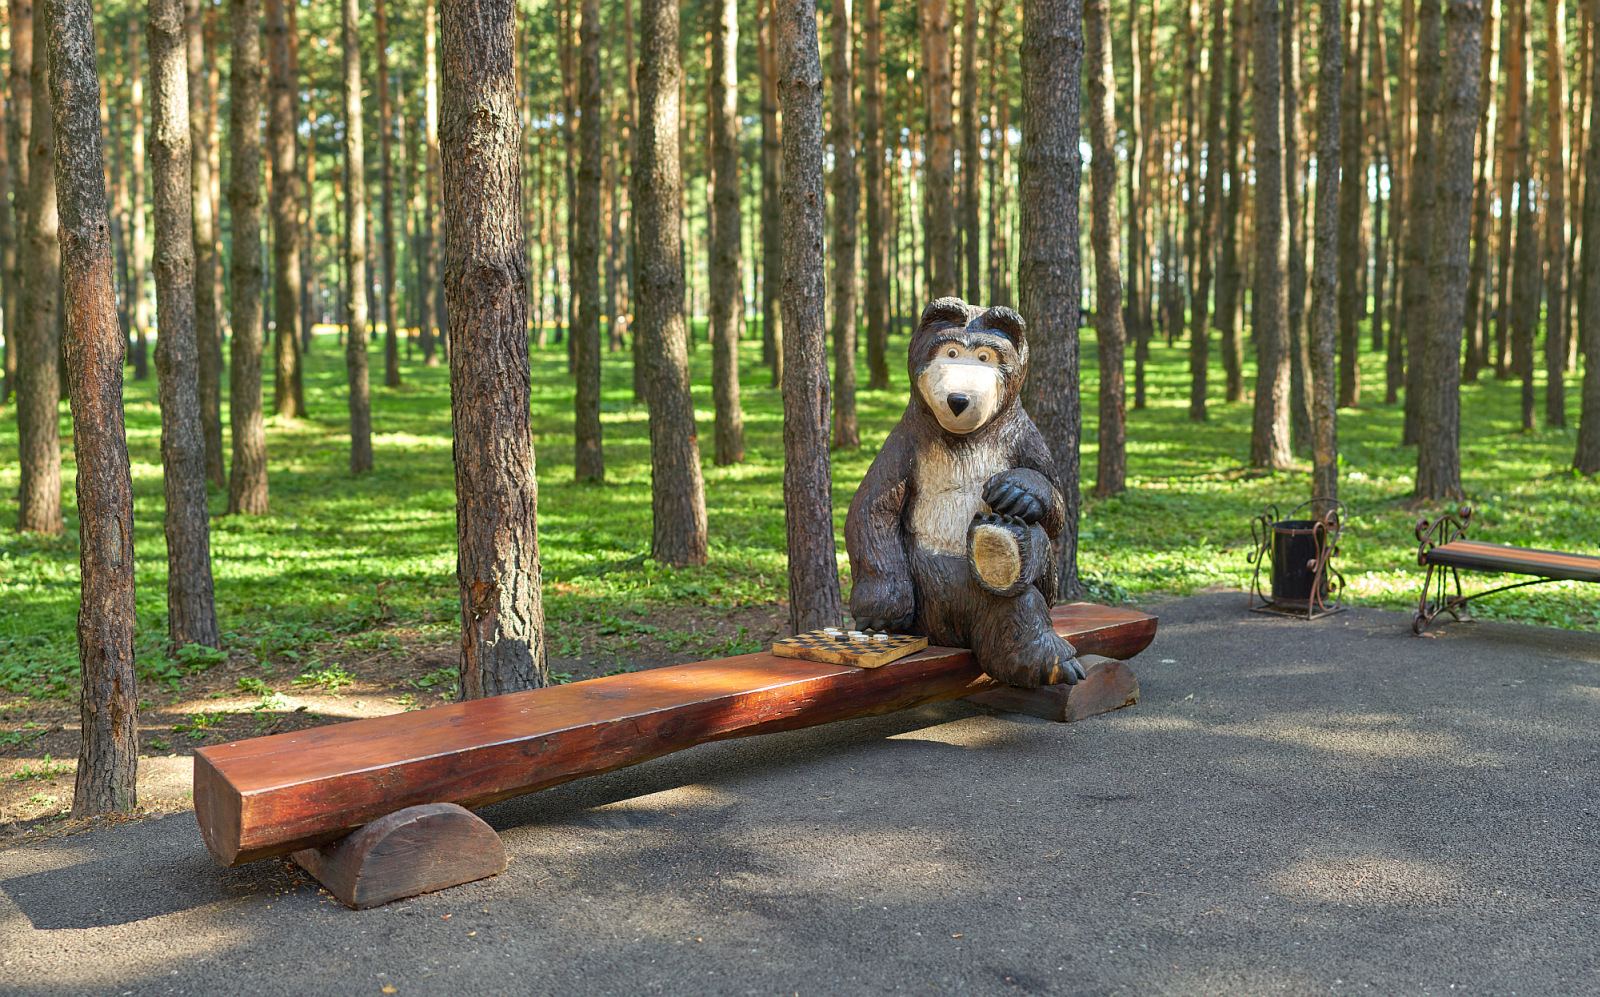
(958, 404)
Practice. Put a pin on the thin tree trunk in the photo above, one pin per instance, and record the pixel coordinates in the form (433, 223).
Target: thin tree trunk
(288, 394)
(208, 328)
(969, 150)
(19, 118)
(1507, 176)
(503, 645)
(191, 604)
(1439, 421)
(1269, 299)
(633, 200)
(727, 317)
(1191, 124)
(814, 598)
(140, 250)
(941, 166)
(1133, 314)
(1049, 278)
(10, 301)
(771, 201)
(247, 484)
(1325, 276)
(391, 291)
(427, 262)
(1352, 199)
(1200, 318)
(108, 759)
(1294, 145)
(588, 458)
(1419, 220)
(1111, 469)
(846, 205)
(1587, 458)
(1526, 282)
(877, 298)
(1477, 325)
(39, 339)
(355, 247)
(1232, 278)
(678, 501)
(1555, 217)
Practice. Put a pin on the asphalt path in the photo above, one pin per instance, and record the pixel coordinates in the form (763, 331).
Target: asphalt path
(1332, 807)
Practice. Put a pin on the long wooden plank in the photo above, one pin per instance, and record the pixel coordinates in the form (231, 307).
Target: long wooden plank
(1475, 555)
(273, 795)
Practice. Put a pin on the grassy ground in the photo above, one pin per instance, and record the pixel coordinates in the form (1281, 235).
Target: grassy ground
(344, 562)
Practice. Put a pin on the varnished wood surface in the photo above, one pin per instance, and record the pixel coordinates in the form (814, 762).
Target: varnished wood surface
(1108, 685)
(411, 851)
(273, 795)
(1477, 556)
(812, 646)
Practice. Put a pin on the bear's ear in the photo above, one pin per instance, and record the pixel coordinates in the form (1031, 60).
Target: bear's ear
(951, 310)
(1004, 321)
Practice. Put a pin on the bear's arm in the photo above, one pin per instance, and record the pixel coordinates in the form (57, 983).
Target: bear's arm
(1033, 454)
(874, 536)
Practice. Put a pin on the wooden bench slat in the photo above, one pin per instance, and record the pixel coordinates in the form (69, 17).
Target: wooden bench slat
(1475, 555)
(273, 795)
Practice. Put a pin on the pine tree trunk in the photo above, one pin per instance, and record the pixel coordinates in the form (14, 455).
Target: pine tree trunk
(288, 394)
(771, 224)
(10, 301)
(191, 604)
(1269, 300)
(108, 759)
(877, 300)
(846, 211)
(1200, 316)
(1049, 278)
(247, 484)
(19, 114)
(970, 187)
(727, 319)
(941, 163)
(427, 255)
(678, 500)
(1232, 277)
(208, 327)
(1132, 313)
(391, 292)
(1555, 216)
(140, 250)
(1526, 277)
(1420, 217)
(1111, 470)
(1294, 144)
(503, 645)
(355, 247)
(814, 598)
(1352, 198)
(588, 457)
(39, 339)
(1507, 174)
(1193, 79)
(1477, 290)
(1325, 276)
(1439, 411)
(1587, 458)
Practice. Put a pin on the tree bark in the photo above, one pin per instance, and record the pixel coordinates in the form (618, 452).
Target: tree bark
(1352, 199)
(391, 292)
(771, 224)
(503, 645)
(1325, 276)
(191, 603)
(1229, 312)
(288, 393)
(678, 500)
(108, 758)
(1555, 215)
(1439, 422)
(727, 315)
(1294, 145)
(941, 162)
(1587, 458)
(846, 210)
(10, 300)
(208, 328)
(1269, 299)
(139, 250)
(1477, 280)
(427, 255)
(1420, 217)
(19, 119)
(355, 247)
(247, 484)
(1525, 281)
(970, 173)
(1200, 316)
(872, 153)
(588, 458)
(1111, 466)
(814, 598)
(39, 339)
(1049, 270)
(1134, 312)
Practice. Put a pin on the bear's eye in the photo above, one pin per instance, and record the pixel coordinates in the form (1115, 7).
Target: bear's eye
(952, 353)
(984, 356)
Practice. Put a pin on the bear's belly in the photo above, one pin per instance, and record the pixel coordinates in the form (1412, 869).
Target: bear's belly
(949, 493)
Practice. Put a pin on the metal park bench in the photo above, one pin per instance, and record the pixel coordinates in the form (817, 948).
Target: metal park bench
(375, 808)
(1445, 562)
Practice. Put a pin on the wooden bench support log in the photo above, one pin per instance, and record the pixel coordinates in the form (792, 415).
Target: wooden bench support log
(1109, 685)
(416, 850)
(300, 789)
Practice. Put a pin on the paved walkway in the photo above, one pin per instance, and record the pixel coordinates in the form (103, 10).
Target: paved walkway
(1324, 808)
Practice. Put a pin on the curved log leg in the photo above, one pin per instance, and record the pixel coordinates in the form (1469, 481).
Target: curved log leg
(416, 850)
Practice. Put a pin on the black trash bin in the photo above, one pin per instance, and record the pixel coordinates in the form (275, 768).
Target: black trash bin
(1299, 553)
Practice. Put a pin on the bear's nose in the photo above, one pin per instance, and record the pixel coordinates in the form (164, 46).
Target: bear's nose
(957, 403)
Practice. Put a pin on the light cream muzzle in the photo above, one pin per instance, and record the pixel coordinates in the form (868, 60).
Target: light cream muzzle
(963, 393)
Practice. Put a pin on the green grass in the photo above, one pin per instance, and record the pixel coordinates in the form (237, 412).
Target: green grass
(341, 557)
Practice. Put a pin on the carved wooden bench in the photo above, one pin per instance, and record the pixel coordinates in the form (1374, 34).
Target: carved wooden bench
(374, 808)
(1445, 562)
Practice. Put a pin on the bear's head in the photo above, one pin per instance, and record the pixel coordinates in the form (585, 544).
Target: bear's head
(967, 364)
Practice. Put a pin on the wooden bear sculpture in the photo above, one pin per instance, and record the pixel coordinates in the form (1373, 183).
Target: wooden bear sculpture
(953, 532)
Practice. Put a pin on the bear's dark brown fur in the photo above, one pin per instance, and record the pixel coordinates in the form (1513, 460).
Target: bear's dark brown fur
(954, 530)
